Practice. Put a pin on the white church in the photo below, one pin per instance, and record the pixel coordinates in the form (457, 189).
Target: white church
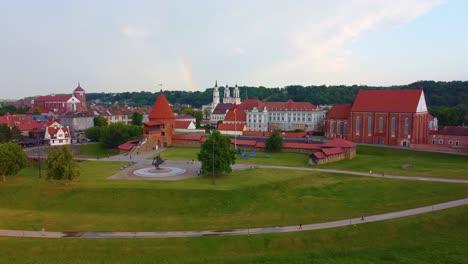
(216, 111)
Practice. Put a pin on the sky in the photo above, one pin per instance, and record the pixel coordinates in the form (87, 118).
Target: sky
(48, 46)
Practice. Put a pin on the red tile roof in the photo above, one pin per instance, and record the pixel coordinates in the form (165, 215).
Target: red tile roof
(260, 144)
(221, 108)
(53, 98)
(290, 105)
(161, 109)
(339, 111)
(332, 151)
(249, 104)
(244, 142)
(182, 116)
(128, 145)
(300, 145)
(231, 127)
(319, 155)
(78, 89)
(393, 101)
(238, 115)
(29, 127)
(182, 124)
(339, 142)
(187, 137)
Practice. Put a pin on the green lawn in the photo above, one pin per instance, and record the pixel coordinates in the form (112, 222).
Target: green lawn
(251, 198)
(281, 159)
(438, 237)
(390, 160)
(94, 150)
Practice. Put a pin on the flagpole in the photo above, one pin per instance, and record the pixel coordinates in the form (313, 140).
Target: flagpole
(235, 126)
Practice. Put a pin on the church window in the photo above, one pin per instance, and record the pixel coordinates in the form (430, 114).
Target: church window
(358, 124)
(332, 127)
(345, 127)
(369, 125)
(393, 129)
(381, 124)
(406, 127)
(338, 127)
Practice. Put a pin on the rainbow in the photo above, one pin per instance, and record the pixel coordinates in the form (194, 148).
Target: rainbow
(186, 74)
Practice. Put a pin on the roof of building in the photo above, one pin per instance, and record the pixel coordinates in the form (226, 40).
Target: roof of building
(29, 127)
(221, 108)
(161, 109)
(319, 155)
(128, 145)
(53, 98)
(339, 142)
(243, 142)
(78, 88)
(153, 123)
(295, 145)
(236, 116)
(182, 124)
(290, 105)
(183, 116)
(52, 130)
(231, 127)
(186, 137)
(339, 111)
(394, 101)
(452, 131)
(332, 151)
(249, 104)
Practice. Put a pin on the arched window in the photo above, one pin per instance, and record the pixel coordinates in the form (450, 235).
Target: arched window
(358, 124)
(393, 128)
(381, 124)
(406, 127)
(369, 125)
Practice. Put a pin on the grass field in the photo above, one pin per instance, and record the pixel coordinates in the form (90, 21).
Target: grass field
(438, 237)
(390, 160)
(281, 159)
(95, 150)
(251, 198)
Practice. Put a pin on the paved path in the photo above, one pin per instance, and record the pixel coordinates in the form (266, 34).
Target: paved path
(252, 231)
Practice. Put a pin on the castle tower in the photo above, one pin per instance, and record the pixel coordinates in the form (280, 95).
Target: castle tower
(160, 127)
(215, 95)
(80, 93)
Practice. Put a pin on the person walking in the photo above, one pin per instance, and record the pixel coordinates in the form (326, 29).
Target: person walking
(300, 226)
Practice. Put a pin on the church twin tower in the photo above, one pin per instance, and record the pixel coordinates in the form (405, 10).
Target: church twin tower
(227, 99)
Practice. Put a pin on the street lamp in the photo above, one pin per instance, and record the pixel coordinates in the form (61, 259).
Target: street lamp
(212, 174)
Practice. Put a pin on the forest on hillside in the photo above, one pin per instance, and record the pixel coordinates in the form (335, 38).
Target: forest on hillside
(448, 94)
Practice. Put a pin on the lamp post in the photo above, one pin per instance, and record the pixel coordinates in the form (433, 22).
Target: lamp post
(212, 173)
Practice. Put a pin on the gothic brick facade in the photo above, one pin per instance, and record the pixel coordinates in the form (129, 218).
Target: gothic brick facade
(389, 117)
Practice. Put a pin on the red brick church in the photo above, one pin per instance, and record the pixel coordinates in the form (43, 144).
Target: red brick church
(159, 129)
(390, 117)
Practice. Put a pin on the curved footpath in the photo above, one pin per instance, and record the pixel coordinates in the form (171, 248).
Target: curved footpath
(253, 231)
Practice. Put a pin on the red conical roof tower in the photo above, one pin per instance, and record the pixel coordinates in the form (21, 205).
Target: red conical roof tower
(161, 109)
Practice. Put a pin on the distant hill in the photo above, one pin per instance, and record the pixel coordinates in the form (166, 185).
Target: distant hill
(447, 94)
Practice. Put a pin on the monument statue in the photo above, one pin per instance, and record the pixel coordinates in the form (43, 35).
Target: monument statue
(157, 161)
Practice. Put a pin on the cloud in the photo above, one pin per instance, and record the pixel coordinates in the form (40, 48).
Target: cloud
(132, 32)
(321, 46)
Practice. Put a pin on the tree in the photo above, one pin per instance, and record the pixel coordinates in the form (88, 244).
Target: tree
(275, 142)
(216, 155)
(100, 121)
(93, 133)
(36, 111)
(207, 112)
(114, 135)
(12, 159)
(60, 164)
(137, 119)
(16, 134)
(5, 133)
